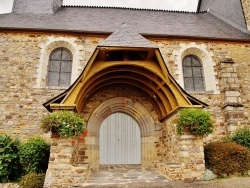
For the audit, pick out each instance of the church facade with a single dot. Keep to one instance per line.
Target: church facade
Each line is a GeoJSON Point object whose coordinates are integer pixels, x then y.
{"type": "Point", "coordinates": [127, 72]}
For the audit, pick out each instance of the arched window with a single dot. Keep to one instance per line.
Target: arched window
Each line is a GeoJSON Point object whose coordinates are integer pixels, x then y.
{"type": "Point", "coordinates": [193, 74]}
{"type": "Point", "coordinates": [59, 67]}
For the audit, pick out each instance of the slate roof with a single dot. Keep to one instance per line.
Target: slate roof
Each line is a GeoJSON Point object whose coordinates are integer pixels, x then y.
{"type": "Point", "coordinates": [127, 37]}
{"type": "Point", "coordinates": [223, 10]}
{"type": "Point", "coordinates": [101, 20]}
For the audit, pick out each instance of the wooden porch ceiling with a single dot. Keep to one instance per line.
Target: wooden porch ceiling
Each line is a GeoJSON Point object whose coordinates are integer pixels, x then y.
{"type": "Point", "coordinates": [139, 68]}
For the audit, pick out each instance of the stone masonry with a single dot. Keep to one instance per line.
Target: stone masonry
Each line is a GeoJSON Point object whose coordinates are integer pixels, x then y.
{"type": "Point", "coordinates": [24, 57]}
{"type": "Point", "coordinates": [183, 156]}
{"type": "Point", "coordinates": [22, 108]}
{"type": "Point", "coordinates": [231, 94]}
{"type": "Point", "coordinates": [63, 170]}
{"type": "Point", "coordinates": [22, 96]}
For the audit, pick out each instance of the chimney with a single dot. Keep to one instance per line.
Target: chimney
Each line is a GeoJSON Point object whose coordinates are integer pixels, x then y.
{"type": "Point", "coordinates": [36, 6]}
{"type": "Point", "coordinates": [246, 10]}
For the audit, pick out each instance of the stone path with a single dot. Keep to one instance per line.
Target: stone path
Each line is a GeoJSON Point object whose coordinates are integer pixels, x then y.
{"type": "Point", "coordinates": [123, 174]}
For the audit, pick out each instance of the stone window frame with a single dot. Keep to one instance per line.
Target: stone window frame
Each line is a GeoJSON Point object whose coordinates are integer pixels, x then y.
{"type": "Point", "coordinates": [200, 51]}
{"type": "Point", "coordinates": [46, 49]}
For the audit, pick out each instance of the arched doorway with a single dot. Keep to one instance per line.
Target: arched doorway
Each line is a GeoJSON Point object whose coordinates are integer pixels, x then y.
{"type": "Point", "coordinates": [148, 134]}
{"type": "Point", "coordinates": [120, 140]}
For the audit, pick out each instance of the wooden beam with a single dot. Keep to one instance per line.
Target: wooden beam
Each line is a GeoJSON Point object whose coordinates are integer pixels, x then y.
{"type": "Point", "coordinates": [73, 92]}
{"type": "Point", "coordinates": [151, 53]}
{"type": "Point", "coordinates": [125, 56]}
{"type": "Point", "coordinates": [162, 103]}
{"type": "Point", "coordinates": [102, 54]}
{"type": "Point", "coordinates": [162, 83]}
{"type": "Point", "coordinates": [162, 65]}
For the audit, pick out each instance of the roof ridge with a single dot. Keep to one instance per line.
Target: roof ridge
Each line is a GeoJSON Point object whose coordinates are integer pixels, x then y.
{"type": "Point", "coordinates": [130, 8]}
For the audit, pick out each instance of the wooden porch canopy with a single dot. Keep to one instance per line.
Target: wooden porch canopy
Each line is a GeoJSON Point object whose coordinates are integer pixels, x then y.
{"type": "Point", "coordinates": [126, 58]}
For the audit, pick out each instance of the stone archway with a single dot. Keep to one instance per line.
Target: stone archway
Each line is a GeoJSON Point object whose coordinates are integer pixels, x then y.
{"type": "Point", "coordinates": [135, 110]}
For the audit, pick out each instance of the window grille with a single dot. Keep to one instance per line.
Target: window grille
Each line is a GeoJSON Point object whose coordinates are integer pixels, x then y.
{"type": "Point", "coordinates": [60, 67]}
{"type": "Point", "coordinates": [193, 73]}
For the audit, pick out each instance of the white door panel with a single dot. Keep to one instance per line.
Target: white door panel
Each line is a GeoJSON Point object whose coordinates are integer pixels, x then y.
{"type": "Point", "coordinates": [120, 140]}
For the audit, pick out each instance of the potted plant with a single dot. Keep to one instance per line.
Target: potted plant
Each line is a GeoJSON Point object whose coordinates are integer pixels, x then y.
{"type": "Point", "coordinates": [65, 123]}
{"type": "Point", "coordinates": [194, 120]}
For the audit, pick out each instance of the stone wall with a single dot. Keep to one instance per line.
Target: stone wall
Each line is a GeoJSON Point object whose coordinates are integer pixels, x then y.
{"type": "Point", "coordinates": [183, 156]}
{"type": "Point", "coordinates": [21, 98]}
{"type": "Point", "coordinates": [216, 52]}
{"type": "Point", "coordinates": [232, 102]}
{"type": "Point", "coordinates": [64, 170]}
{"type": "Point", "coordinates": [22, 56]}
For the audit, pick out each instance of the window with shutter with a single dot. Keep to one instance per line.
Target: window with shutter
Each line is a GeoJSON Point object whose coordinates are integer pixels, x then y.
{"type": "Point", "coordinates": [59, 67]}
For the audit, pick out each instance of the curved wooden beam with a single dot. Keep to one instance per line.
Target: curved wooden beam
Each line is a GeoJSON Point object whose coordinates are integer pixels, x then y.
{"type": "Point", "coordinates": [165, 99]}
{"type": "Point", "coordinates": [101, 75]}
{"type": "Point", "coordinates": [162, 103]}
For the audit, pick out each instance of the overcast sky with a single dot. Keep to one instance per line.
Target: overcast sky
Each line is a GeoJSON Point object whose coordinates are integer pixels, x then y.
{"type": "Point", "coordinates": [186, 5]}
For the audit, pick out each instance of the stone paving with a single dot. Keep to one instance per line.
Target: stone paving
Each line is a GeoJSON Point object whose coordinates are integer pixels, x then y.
{"type": "Point", "coordinates": [124, 174]}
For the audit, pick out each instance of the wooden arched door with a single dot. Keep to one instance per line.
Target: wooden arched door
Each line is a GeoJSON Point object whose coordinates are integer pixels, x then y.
{"type": "Point", "coordinates": [120, 140]}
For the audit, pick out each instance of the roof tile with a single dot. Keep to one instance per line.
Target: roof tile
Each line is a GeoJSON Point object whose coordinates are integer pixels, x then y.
{"type": "Point", "coordinates": [127, 37]}
{"type": "Point", "coordinates": [107, 20]}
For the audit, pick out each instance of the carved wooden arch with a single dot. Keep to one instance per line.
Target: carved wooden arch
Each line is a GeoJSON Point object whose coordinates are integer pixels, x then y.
{"type": "Point", "coordinates": [150, 76]}
{"type": "Point", "coordinates": [121, 104]}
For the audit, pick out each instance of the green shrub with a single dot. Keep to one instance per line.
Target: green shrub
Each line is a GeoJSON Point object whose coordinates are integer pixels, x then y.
{"type": "Point", "coordinates": [194, 120]}
{"type": "Point", "coordinates": [66, 123]}
{"type": "Point", "coordinates": [34, 155]}
{"type": "Point", "coordinates": [10, 168]}
{"type": "Point", "coordinates": [32, 180]}
{"type": "Point", "coordinates": [227, 158]}
{"type": "Point", "coordinates": [242, 137]}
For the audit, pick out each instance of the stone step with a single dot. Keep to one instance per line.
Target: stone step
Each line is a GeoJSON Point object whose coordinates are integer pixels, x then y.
{"type": "Point", "coordinates": [123, 175]}
{"type": "Point", "coordinates": [134, 185]}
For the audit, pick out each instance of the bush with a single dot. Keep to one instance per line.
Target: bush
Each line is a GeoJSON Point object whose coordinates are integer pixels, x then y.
{"type": "Point", "coordinates": [194, 120]}
{"type": "Point", "coordinates": [66, 123]}
{"type": "Point", "coordinates": [227, 158]}
{"type": "Point", "coordinates": [32, 180]}
{"type": "Point", "coordinates": [9, 160]}
{"type": "Point", "coordinates": [242, 137]}
{"type": "Point", "coordinates": [34, 155]}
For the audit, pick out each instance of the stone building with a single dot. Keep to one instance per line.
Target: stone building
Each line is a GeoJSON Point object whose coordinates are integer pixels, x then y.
{"type": "Point", "coordinates": [127, 72]}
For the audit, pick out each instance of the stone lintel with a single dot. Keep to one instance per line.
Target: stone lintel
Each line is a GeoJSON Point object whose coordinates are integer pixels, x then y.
{"type": "Point", "coordinates": [227, 61]}
{"type": "Point", "coordinates": [56, 107]}
{"type": "Point", "coordinates": [235, 105]}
